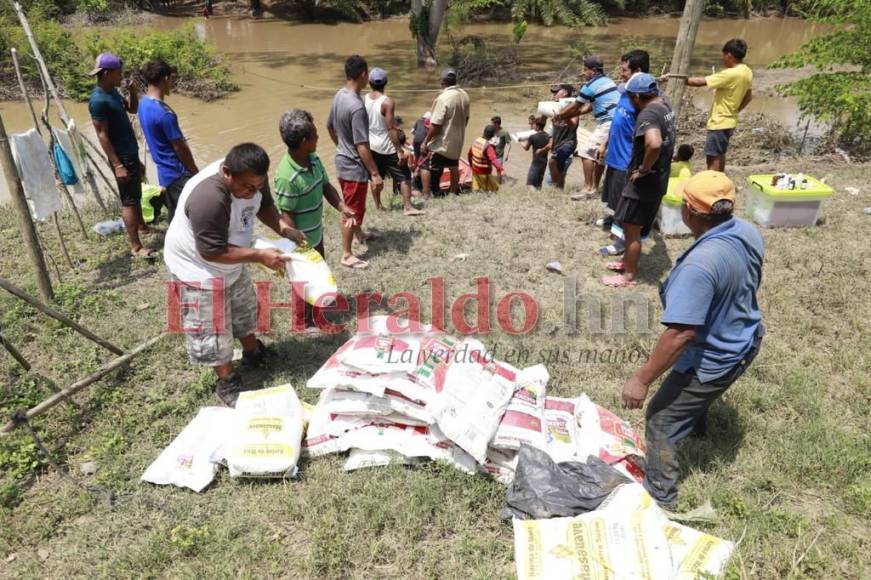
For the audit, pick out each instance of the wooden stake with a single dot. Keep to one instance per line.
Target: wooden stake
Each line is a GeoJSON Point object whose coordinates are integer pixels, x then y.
{"type": "Point", "coordinates": [24, 89]}
{"type": "Point", "coordinates": [48, 310]}
{"type": "Point", "coordinates": [63, 244]}
{"type": "Point", "coordinates": [50, 88]}
{"type": "Point", "coordinates": [66, 393]}
{"type": "Point", "coordinates": [28, 231]}
{"type": "Point", "coordinates": [14, 352]}
{"type": "Point", "coordinates": [683, 49]}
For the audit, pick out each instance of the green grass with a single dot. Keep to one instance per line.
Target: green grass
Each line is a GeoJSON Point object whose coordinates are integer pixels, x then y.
{"type": "Point", "coordinates": [786, 461]}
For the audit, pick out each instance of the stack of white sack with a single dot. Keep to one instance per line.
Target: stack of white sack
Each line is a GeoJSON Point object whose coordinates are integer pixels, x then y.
{"type": "Point", "coordinates": [390, 394]}
{"type": "Point", "coordinates": [566, 429]}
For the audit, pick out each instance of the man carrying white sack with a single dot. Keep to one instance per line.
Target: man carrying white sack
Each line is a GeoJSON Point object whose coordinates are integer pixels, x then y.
{"type": "Point", "coordinates": [208, 245]}
{"type": "Point", "coordinates": [713, 327]}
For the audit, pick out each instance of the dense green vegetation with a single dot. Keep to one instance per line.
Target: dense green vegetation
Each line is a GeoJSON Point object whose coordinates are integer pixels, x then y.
{"type": "Point", "coordinates": [839, 93]}
{"type": "Point", "coordinates": [70, 53]}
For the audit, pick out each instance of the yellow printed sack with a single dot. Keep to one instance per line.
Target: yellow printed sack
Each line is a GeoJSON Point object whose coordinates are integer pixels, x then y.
{"type": "Point", "coordinates": [266, 434]}
{"type": "Point", "coordinates": [305, 265]}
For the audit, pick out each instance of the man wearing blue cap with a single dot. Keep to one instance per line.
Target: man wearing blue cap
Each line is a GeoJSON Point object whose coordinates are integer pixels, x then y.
{"type": "Point", "coordinates": [649, 167]}
{"type": "Point", "coordinates": [109, 112]}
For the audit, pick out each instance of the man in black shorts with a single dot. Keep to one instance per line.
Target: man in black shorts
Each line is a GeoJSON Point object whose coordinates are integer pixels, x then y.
{"type": "Point", "coordinates": [564, 140]}
{"type": "Point", "coordinates": [446, 135]}
{"type": "Point", "coordinates": [649, 168]}
{"type": "Point", "coordinates": [109, 113]}
{"type": "Point", "coordinates": [539, 143]}
{"type": "Point", "coordinates": [387, 151]}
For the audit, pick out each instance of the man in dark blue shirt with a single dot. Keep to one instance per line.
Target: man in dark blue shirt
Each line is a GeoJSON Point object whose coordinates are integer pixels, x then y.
{"type": "Point", "coordinates": [713, 327]}
{"type": "Point", "coordinates": [166, 143]}
{"type": "Point", "coordinates": [109, 112]}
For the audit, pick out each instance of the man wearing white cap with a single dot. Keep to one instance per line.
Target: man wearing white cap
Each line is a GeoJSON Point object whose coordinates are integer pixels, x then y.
{"type": "Point", "coordinates": [713, 327]}
{"type": "Point", "coordinates": [387, 151]}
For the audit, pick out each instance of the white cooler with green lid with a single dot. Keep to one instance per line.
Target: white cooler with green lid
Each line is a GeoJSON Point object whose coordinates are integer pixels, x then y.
{"type": "Point", "coordinates": [771, 207]}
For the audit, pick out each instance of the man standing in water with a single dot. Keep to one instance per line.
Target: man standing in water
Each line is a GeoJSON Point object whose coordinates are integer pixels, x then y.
{"type": "Point", "coordinates": [348, 126]}
{"type": "Point", "coordinates": [109, 112]}
{"type": "Point", "coordinates": [169, 149]}
{"type": "Point", "coordinates": [732, 93]}
{"type": "Point", "coordinates": [446, 134]}
{"type": "Point", "coordinates": [387, 151]}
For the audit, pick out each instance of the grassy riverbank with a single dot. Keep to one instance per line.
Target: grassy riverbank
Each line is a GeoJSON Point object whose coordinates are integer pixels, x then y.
{"type": "Point", "coordinates": [785, 463]}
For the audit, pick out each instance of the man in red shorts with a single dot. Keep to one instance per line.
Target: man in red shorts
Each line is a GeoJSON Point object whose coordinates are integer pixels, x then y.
{"type": "Point", "coordinates": [348, 125]}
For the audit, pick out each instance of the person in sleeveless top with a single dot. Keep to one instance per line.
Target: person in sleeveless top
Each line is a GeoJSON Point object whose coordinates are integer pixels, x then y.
{"type": "Point", "coordinates": [387, 151]}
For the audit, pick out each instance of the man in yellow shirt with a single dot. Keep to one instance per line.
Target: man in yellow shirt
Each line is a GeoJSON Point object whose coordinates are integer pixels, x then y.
{"type": "Point", "coordinates": [732, 92]}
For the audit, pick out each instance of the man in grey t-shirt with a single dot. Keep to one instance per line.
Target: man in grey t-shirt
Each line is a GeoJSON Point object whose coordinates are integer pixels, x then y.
{"type": "Point", "coordinates": [348, 125]}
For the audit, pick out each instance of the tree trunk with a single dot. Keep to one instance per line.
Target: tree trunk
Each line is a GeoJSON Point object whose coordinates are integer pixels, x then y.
{"type": "Point", "coordinates": [683, 49]}
{"type": "Point", "coordinates": [426, 37]}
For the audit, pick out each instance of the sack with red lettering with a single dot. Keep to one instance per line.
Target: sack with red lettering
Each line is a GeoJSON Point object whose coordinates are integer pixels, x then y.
{"type": "Point", "coordinates": [561, 429]}
{"type": "Point", "coordinates": [472, 394]}
{"type": "Point", "coordinates": [610, 438]}
{"type": "Point", "coordinates": [523, 421]}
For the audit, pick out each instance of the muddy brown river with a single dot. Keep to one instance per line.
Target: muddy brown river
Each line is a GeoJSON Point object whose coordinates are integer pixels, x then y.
{"type": "Point", "coordinates": [281, 65]}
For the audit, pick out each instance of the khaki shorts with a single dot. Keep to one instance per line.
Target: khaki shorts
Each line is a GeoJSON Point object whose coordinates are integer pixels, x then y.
{"type": "Point", "coordinates": [597, 137]}
{"type": "Point", "coordinates": [209, 341]}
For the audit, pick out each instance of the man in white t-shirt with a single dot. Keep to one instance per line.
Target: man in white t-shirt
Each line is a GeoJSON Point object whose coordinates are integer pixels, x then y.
{"type": "Point", "coordinates": [207, 247]}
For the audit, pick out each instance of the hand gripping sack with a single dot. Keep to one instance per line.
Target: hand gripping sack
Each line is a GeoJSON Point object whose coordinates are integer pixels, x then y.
{"type": "Point", "coordinates": [305, 265]}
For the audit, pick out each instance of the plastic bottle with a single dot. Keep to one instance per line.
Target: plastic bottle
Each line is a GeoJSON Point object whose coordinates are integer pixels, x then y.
{"type": "Point", "coordinates": [109, 227]}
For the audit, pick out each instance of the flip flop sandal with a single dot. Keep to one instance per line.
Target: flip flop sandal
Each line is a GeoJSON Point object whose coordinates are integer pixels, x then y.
{"type": "Point", "coordinates": [357, 264]}
{"type": "Point", "coordinates": [617, 281]}
{"type": "Point", "coordinates": [611, 250]}
{"type": "Point", "coordinates": [615, 266]}
{"type": "Point", "coordinates": [144, 253]}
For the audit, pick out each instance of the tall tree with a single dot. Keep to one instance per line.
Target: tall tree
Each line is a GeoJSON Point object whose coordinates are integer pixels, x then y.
{"type": "Point", "coordinates": [839, 92]}
{"type": "Point", "coordinates": [426, 22]}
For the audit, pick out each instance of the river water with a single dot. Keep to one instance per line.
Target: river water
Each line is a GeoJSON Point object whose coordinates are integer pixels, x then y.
{"type": "Point", "coordinates": [281, 65]}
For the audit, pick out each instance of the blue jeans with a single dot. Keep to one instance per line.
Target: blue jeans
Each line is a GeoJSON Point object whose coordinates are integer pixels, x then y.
{"type": "Point", "coordinates": [679, 408]}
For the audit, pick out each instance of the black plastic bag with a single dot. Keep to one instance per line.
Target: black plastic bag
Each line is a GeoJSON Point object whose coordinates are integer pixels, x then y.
{"type": "Point", "coordinates": [543, 488]}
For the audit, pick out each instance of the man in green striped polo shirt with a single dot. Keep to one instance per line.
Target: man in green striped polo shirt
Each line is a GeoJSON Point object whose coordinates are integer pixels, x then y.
{"type": "Point", "coordinates": [301, 183]}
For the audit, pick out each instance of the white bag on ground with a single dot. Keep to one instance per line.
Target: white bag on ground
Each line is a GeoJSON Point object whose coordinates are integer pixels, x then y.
{"type": "Point", "coordinates": [266, 434]}
{"type": "Point", "coordinates": [472, 395]}
{"type": "Point", "coordinates": [561, 429]}
{"type": "Point", "coordinates": [595, 545]}
{"type": "Point", "coordinates": [501, 464]}
{"type": "Point", "coordinates": [360, 459]}
{"type": "Point", "coordinates": [523, 419]}
{"type": "Point", "coordinates": [305, 265]}
{"type": "Point", "coordinates": [694, 554]}
{"type": "Point", "coordinates": [605, 435]}
{"type": "Point", "coordinates": [187, 462]}
{"type": "Point", "coordinates": [33, 161]}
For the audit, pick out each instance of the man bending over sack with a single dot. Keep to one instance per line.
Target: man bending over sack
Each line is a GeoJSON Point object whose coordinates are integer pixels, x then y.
{"type": "Point", "coordinates": [713, 327]}
{"type": "Point", "coordinates": [208, 245]}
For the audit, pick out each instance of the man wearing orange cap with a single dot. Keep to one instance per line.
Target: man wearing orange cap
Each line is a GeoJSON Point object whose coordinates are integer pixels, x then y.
{"type": "Point", "coordinates": [713, 327]}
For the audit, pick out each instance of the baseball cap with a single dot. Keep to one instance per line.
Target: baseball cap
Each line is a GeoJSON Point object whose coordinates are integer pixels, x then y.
{"type": "Point", "coordinates": [378, 76]}
{"type": "Point", "coordinates": [106, 61]}
{"type": "Point", "coordinates": [705, 188]}
{"type": "Point", "coordinates": [449, 74]}
{"type": "Point", "coordinates": [642, 84]}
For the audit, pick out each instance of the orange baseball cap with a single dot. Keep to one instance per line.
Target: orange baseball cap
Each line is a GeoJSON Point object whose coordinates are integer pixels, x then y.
{"type": "Point", "coordinates": [705, 188]}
